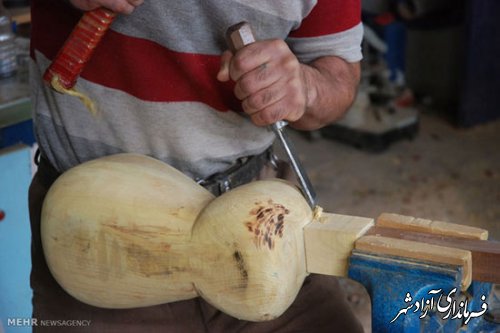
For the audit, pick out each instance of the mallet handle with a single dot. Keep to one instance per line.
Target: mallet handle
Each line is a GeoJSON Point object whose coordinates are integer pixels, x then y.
{"type": "Point", "coordinates": [79, 47]}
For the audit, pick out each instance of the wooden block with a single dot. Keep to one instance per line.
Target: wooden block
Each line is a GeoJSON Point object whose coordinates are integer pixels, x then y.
{"type": "Point", "coordinates": [420, 251]}
{"type": "Point", "coordinates": [410, 223]}
{"type": "Point", "coordinates": [485, 254]}
{"type": "Point", "coordinates": [329, 242]}
{"type": "Point", "coordinates": [20, 15]}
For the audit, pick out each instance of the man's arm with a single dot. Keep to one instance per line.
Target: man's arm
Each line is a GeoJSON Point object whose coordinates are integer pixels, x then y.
{"type": "Point", "coordinates": [273, 85]}
{"type": "Point", "coordinates": [331, 85]}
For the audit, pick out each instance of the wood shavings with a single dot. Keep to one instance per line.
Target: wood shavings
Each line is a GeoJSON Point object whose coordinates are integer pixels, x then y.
{"type": "Point", "coordinates": [89, 104]}
{"type": "Point", "coordinates": [317, 212]}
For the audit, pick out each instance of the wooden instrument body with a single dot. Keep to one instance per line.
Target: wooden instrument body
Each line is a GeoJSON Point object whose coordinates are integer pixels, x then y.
{"type": "Point", "coordinates": [129, 231]}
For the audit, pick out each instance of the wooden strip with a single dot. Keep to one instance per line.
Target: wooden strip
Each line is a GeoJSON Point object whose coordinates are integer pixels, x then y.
{"type": "Point", "coordinates": [410, 223]}
{"type": "Point", "coordinates": [330, 241]}
{"type": "Point", "coordinates": [420, 251]}
{"type": "Point", "coordinates": [20, 15]}
{"type": "Point", "coordinates": [485, 254]}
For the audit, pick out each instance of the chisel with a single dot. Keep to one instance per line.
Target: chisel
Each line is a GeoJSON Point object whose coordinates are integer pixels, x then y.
{"type": "Point", "coordinates": [238, 36]}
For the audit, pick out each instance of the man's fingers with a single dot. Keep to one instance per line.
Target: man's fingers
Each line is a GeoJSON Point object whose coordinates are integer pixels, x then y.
{"type": "Point", "coordinates": [223, 74]}
{"type": "Point", "coordinates": [269, 115]}
{"type": "Point", "coordinates": [281, 101]}
{"type": "Point", "coordinates": [117, 6]}
{"type": "Point", "coordinates": [257, 79]}
{"type": "Point", "coordinates": [249, 58]}
{"type": "Point", "coordinates": [263, 98]}
{"type": "Point", "coordinates": [268, 81]}
{"type": "Point", "coordinates": [121, 7]}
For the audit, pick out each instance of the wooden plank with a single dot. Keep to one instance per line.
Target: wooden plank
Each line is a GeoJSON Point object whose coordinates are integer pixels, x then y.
{"type": "Point", "coordinates": [411, 223]}
{"type": "Point", "coordinates": [20, 15]}
{"type": "Point", "coordinates": [329, 242]}
{"type": "Point", "coordinates": [421, 251]}
{"type": "Point", "coordinates": [485, 254]}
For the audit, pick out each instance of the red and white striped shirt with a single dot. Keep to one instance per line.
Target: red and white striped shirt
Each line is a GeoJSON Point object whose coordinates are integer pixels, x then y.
{"type": "Point", "coordinates": [153, 78]}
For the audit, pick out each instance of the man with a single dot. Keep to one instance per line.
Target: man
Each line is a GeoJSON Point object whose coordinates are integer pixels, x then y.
{"type": "Point", "coordinates": [164, 86]}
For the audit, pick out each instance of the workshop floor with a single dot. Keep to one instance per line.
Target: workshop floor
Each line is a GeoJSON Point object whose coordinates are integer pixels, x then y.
{"type": "Point", "coordinates": [446, 173]}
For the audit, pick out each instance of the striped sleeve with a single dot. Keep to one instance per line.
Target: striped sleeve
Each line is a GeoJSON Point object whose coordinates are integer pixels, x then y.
{"type": "Point", "coordinates": [333, 27]}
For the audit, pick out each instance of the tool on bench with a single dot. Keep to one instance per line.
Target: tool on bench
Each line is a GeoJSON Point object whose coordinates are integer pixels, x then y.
{"type": "Point", "coordinates": [238, 36]}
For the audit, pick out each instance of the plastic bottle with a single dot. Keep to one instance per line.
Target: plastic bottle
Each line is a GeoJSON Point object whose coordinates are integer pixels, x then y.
{"type": "Point", "coordinates": [8, 53]}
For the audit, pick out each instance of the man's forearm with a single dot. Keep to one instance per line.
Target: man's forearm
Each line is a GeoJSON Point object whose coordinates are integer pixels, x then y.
{"type": "Point", "coordinates": [331, 85]}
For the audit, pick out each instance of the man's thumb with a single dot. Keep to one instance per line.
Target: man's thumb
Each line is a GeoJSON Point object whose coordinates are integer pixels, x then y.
{"type": "Point", "coordinates": [225, 59]}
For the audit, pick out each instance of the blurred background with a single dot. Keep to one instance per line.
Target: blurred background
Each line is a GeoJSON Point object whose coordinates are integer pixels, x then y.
{"type": "Point", "coordinates": [423, 137]}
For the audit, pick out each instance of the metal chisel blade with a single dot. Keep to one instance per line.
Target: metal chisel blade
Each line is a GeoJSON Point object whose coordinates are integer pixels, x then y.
{"type": "Point", "coordinates": [305, 184]}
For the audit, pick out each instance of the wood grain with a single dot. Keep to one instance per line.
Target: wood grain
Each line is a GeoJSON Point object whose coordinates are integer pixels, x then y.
{"type": "Point", "coordinates": [485, 254]}
{"type": "Point", "coordinates": [411, 223]}
{"type": "Point", "coordinates": [330, 240]}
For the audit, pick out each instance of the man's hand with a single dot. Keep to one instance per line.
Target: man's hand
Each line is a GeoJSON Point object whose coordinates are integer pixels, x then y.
{"type": "Point", "coordinates": [273, 85]}
{"type": "Point", "coordinates": [269, 81]}
{"type": "Point", "coordinates": [118, 6]}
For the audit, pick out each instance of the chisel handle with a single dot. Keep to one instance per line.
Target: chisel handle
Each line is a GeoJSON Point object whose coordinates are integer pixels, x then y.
{"type": "Point", "coordinates": [238, 36]}
{"type": "Point", "coordinates": [79, 47]}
